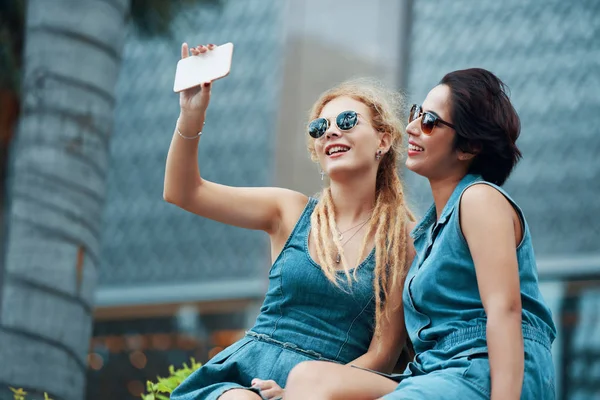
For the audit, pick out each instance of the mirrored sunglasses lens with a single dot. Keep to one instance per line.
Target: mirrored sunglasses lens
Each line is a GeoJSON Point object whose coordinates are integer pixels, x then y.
{"type": "Point", "coordinates": [317, 128]}
{"type": "Point", "coordinates": [427, 123]}
{"type": "Point", "coordinates": [414, 113]}
{"type": "Point", "coordinates": [346, 120]}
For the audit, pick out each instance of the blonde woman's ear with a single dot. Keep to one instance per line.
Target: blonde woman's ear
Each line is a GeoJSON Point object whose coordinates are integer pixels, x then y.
{"type": "Point", "coordinates": [386, 141]}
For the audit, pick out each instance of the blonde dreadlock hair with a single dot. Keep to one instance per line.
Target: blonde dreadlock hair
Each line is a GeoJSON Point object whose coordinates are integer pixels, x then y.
{"type": "Point", "coordinates": [390, 214]}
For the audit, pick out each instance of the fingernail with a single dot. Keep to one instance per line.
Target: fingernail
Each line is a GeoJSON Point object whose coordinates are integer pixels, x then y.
{"type": "Point", "coordinates": [206, 84]}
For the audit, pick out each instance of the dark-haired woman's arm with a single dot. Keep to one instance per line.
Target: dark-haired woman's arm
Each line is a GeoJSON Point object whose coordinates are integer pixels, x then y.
{"type": "Point", "coordinates": [492, 228]}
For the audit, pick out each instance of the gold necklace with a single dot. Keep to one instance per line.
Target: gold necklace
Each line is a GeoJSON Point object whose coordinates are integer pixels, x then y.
{"type": "Point", "coordinates": [338, 258]}
{"type": "Point", "coordinates": [341, 234]}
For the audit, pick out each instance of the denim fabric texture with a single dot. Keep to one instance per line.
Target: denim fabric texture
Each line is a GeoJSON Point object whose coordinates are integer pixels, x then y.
{"type": "Point", "coordinates": [304, 317]}
{"type": "Point", "coordinates": [446, 321]}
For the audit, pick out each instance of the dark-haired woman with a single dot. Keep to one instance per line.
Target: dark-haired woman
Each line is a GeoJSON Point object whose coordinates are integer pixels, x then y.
{"type": "Point", "coordinates": [472, 305]}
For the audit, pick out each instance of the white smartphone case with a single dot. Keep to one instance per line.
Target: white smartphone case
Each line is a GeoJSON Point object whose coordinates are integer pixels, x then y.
{"type": "Point", "coordinates": [206, 67]}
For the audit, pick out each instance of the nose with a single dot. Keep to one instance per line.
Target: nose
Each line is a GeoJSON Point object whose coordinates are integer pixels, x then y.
{"type": "Point", "coordinates": [414, 127]}
{"type": "Point", "coordinates": [332, 132]}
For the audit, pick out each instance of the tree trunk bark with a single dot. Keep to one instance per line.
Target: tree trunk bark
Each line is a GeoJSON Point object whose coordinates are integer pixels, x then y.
{"type": "Point", "coordinates": [58, 170]}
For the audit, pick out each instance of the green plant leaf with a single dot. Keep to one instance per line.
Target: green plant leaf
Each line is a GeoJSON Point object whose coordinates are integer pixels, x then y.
{"type": "Point", "coordinates": [19, 394]}
{"type": "Point", "coordinates": [150, 386]}
{"type": "Point", "coordinates": [169, 383]}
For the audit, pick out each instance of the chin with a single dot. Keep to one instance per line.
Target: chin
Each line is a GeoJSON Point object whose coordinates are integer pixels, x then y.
{"type": "Point", "coordinates": [415, 167]}
{"type": "Point", "coordinates": [343, 172]}
{"type": "Point", "coordinates": [338, 174]}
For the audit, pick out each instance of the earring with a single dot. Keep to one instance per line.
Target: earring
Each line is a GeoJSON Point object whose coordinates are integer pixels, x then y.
{"type": "Point", "coordinates": [322, 175]}
{"type": "Point", "coordinates": [378, 155]}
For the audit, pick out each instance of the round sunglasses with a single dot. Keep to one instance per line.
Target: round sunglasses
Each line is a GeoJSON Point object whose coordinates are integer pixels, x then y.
{"type": "Point", "coordinates": [428, 120]}
{"type": "Point", "coordinates": [346, 120]}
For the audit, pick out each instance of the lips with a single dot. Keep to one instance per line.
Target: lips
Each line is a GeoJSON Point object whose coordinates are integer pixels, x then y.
{"type": "Point", "coordinates": [413, 147]}
{"type": "Point", "coordinates": [336, 149]}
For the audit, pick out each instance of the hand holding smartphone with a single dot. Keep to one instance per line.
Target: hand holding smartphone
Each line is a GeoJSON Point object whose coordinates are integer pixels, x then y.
{"type": "Point", "coordinates": [201, 67]}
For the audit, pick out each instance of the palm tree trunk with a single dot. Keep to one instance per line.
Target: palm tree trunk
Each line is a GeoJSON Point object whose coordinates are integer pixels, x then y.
{"type": "Point", "coordinates": [58, 175]}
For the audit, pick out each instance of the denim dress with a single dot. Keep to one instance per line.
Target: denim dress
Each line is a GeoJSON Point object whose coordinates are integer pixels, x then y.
{"type": "Point", "coordinates": [304, 317]}
{"type": "Point", "coordinates": [446, 320]}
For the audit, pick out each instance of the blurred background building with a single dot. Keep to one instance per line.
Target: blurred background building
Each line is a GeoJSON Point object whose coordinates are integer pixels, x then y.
{"type": "Point", "coordinates": [171, 285]}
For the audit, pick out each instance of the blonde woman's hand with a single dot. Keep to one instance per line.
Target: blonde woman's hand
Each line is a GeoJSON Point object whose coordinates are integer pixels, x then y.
{"type": "Point", "coordinates": [268, 389]}
{"type": "Point", "coordinates": [194, 101]}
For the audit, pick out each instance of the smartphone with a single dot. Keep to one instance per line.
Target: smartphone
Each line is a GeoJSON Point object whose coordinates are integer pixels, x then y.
{"type": "Point", "coordinates": [194, 70]}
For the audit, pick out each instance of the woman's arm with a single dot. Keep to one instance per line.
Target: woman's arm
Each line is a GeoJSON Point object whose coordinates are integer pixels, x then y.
{"type": "Point", "coordinates": [384, 350]}
{"type": "Point", "coordinates": [252, 208]}
{"type": "Point", "coordinates": [489, 223]}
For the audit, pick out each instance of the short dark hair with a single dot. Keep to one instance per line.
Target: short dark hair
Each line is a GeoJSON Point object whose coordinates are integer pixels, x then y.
{"type": "Point", "coordinates": [486, 122]}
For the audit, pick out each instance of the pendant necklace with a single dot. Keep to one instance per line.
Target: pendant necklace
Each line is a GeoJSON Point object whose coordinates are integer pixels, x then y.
{"type": "Point", "coordinates": [338, 259]}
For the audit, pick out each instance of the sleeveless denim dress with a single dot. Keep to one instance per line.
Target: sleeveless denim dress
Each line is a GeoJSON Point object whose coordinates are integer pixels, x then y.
{"type": "Point", "coordinates": [304, 317]}
{"type": "Point", "coordinates": [446, 320]}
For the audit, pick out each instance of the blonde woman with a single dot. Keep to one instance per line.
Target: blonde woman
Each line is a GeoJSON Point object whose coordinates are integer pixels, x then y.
{"type": "Point", "coordinates": [339, 261]}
